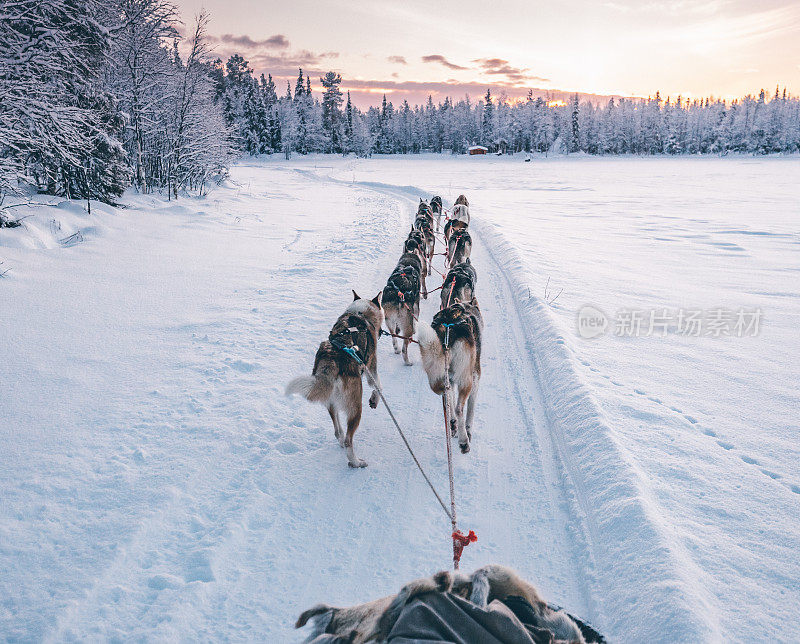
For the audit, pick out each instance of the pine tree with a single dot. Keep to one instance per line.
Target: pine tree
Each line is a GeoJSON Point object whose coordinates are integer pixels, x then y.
{"type": "Point", "coordinates": [331, 115]}
{"type": "Point", "coordinates": [575, 140]}
{"type": "Point", "coordinates": [487, 124]}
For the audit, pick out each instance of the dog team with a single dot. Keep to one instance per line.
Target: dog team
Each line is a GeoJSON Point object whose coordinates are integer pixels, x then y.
{"type": "Point", "coordinates": [450, 345]}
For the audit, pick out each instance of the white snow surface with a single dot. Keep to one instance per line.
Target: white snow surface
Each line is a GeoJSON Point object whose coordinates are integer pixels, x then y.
{"type": "Point", "coordinates": [157, 484]}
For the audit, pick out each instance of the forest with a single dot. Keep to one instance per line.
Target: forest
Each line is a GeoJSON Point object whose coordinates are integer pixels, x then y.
{"type": "Point", "coordinates": [100, 95]}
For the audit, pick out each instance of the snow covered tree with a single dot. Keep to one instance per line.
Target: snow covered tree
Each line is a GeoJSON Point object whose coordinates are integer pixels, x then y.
{"type": "Point", "coordinates": [487, 124]}
{"type": "Point", "coordinates": [575, 133]}
{"type": "Point", "coordinates": [331, 114]}
{"type": "Point", "coordinates": [199, 140]}
{"type": "Point", "coordinates": [53, 111]}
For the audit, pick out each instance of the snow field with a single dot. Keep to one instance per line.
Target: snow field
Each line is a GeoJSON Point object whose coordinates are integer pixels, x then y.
{"type": "Point", "coordinates": [158, 484]}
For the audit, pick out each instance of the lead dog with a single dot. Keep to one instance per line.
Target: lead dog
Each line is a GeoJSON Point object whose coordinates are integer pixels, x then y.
{"type": "Point", "coordinates": [373, 621]}
{"type": "Point", "coordinates": [459, 284]}
{"type": "Point", "coordinates": [461, 326]}
{"type": "Point", "coordinates": [335, 381]}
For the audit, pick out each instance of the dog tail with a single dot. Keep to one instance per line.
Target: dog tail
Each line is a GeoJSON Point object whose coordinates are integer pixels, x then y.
{"type": "Point", "coordinates": [320, 609]}
{"type": "Point", "coordinates": [441, 582]}
{"type": "Point", "coordinates": [430, 347]}
{"type": "Point", "coordinates": [316, 388]}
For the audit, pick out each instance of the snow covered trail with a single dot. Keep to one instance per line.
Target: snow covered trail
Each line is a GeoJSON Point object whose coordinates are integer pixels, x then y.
{"type": "Point", "coordinates": [159, 485]}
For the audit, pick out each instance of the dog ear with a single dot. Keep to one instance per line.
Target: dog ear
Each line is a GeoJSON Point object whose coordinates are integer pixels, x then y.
{"type": "Point", "coordinates": [355, 296]}
{"type": "Point", "coordinates": [378, 299]}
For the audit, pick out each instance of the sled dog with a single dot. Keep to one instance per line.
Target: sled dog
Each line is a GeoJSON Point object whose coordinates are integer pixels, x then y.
{"type": "Point", "coordinates": [424, 209]}
{"type": "Point", "coordinates": [459, 220]}
{"type": "Point", "coordinates": [459, 284]}
{"type": "Point", "coordinates": [460, 213]}
{"type": "Point", "coordinates": [459, 247]}
{"type": "Point", "coordinates": [336, 378]}
{"type": "Point", "coordinates": [464, 322]}
{"type": "Point", "coordinates": [462, 200]}
{"type": "Point", "coordinates": [436, 207]}
{"type": "Point", "coordinates": [415, 245]}
{"type": "Point", "coordinates": [424, 225]}
{"type": "Point", "coordinates": [373, 621]}
{"type": "Point", "coordinates": [401, 305]}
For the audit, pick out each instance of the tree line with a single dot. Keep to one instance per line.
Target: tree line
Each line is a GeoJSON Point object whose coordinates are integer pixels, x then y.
{"type": "Point", "coordinates": [299, 122]}
{"type": "Point", "coordinates": [98, 95]}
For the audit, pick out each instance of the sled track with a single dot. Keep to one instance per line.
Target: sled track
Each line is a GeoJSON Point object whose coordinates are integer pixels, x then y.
{"type": "Point", "coordinates": [602, 512]}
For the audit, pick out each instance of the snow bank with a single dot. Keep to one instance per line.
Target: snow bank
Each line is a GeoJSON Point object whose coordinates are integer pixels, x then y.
{"type": "Point", "coordinates": [649, 588]}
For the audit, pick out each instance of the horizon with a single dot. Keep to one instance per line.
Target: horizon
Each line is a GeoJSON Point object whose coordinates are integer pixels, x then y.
{"type": "Point", "coordinates": [723, 49]}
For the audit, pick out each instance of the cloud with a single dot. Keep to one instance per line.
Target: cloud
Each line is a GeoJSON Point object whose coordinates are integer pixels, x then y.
{"type": "Point", "coordinates": [288, 64]}
{"type": "Point", "coordinates": [438, 58]}
{"type": "Point", "coordinates": [400, 60]}
{"type": "Point", "coordinates": [369, 92]}
{"type": "Point", "coordinates": [278, 41]}
{"type": "Point", "coordinates": [501, 67]}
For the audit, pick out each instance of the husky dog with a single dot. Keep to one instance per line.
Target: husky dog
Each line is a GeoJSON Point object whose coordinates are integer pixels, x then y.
{"type": "Point", "coordinates": [459, 220]}
{"type": "Point", "coordinates": [336, 378]}
{"type": "Point", "coordinates": [460, 213]}
{"type": "Point", "coordinates": [424, 209]}
{"type": "Point", "coordinates": [374, 621]}
{"type": "Point", "coordinates": [415, 245]}
{"type": "Point", "coordinates": [459, 247]}
{"type": "Point", "coordinates": [424, 224]}
{"type": "Point", "coordinates": [461, 325]}
{"type": "Point", "coordinates": [436, 207]}
{"type": "Point", "coordinates": [462, 200]}
{"type": "Point", "coordinates": [458, 285]}
{"type": "Point", "coordinates": [401, 304]}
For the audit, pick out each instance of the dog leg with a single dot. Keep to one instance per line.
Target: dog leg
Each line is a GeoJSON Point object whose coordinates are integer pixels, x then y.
{"type": "Point", "coordinates": [407, 332]}
{"type": "Point", "coordinates": [337, 428]}
{"type": "Point", "coordinates": [352, 426]}
{"type": "Point", "coordinates": [473, 397]}
{"type": "Point", "coordinates": [463, 438]}
{"type": "Point", "coordinates": [394, 339]}
{"type": "Point", "coordinates": [374, 383]}
{"type": "Point", "coordinates": [451, 401]}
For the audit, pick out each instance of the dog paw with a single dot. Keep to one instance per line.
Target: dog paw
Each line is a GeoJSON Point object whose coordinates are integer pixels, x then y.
{"type": "Point", "coordinates": [373, 400]}
{"type": "Point", "coordinates": [453, 430]}
{"type": "Point", "coordinates": [359, 462]}
{"type": "Point", "coordinates": [397, 351]}
{"type": "Point", "coordinates": [407, 362]}
{"type": "Point", "coordinates": [464, 448]}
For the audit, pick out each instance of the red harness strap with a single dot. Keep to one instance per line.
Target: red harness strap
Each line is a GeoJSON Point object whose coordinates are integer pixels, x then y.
{"type": "Point", "coordinates": [461, 541]}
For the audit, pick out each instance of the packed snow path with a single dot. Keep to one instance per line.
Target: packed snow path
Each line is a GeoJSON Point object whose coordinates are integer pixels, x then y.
{"type": "Point", "coordinates": [159, 485]}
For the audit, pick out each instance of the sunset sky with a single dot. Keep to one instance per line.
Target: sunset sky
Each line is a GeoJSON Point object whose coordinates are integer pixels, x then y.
{"type": "Point", "coordinates": [414, 48]}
